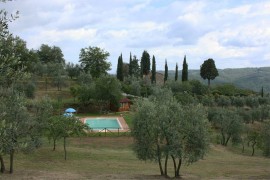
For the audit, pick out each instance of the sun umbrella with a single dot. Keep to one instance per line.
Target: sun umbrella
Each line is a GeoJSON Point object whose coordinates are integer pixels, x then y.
{"type": "Point", "coordinates": [70, 110]}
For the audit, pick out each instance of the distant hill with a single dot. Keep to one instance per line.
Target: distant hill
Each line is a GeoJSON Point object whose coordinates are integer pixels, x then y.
{"type": "Point", "coordinates": [246, 78]}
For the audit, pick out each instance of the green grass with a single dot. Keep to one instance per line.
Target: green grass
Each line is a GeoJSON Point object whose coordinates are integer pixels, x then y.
{"type": "Point", "coordinates": [128, 118]}
{"type": "Point", "coordinates": [113, 158]}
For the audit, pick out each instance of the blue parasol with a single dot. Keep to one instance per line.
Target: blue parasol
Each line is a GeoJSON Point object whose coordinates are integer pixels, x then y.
{"type": "Point", "coordinates": [70, 110]}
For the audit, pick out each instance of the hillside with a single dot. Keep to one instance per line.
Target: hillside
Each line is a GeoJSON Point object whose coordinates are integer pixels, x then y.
{"type": "Point", "coordinates": [247, 78]}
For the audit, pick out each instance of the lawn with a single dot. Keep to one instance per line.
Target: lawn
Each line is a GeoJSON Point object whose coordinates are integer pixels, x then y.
{"type": "Point", "coordinates": [113, 158]}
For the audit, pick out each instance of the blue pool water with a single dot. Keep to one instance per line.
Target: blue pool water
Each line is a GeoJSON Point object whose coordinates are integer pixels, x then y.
{"type": "Point", "coordinates": [102, 123]}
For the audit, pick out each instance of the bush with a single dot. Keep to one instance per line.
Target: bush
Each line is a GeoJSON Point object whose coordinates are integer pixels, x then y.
{"type": "Point", "coordinates": [29, 90]}
{"type": "Point", "coordinates": [223, 101]}
{"type": "Point", "coordinates": [238, 101]}
{"type": "Point", "coordinates": [265, 134]}
{"type": "Point", "coordinates": [252, 102]}
{"type": "Point", "coordinates": [208, 101]}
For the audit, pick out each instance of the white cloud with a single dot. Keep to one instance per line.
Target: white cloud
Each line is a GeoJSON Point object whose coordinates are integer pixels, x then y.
{"type": "Point", "coordinates": [232, 32]}
{"type": "Point", "coordinates": [57, 36]}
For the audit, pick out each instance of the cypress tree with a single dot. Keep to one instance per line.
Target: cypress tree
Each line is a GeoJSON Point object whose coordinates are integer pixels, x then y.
{"type": "Point", "coordinates": [153, 77]}
{"type": "Point", "coordinates": [136, 71]}
{"type": "Point", "coordinates": [119, 71]}
{"type": "Point", "coordinates": [185, 70]}
{"type": "Point", "coordinates": [262, 92]}
{"type": "Point", "coordinates": [166, 72]}
{"type": "Point", "coordinates": [142, 66]}
{"type": "Point", "coordinates": [130, 69]}
{"type": "Point", "coordinates": [145, 63]}
{"type": "Point", "coordinates": [176, 72]}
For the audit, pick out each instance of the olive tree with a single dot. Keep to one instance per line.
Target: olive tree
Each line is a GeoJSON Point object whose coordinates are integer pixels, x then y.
{"type": "Point", "coordinates": [70, 126]}
{"type": "Point", "coordinates": [265, 139]}
{"type": "Point", "coordinates": [108, 90]}
{"type": "Point", "coordinates": [164, 129]}
{"type": "Point", "coordinates": [20, 130]}
{"type": "Point", "coordinates": [64, 127]}
{"type": "Point", "coordinates": [229, 124]}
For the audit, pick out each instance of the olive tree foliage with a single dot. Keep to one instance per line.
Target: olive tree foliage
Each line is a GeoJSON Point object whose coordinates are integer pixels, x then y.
{"type": "Point", "coordinates": [229, 125]}
{"type": "Point", "coordinates": [14, 58]}
{"type": "Point", "coordinates": [265, 139]}
{"type": "Point", "coordinates": [58, 75]}
{"type": "Point", "coordinates": [48, 54]}
{"type": "Point", "coordinates": [73, 70]}
{"type": "Point", "coordinates": [5, 18]}
{"type": "Point", "coordinates": [192, 87]}
{"type": "Point", "coordinates": [132, 85]}
{"type": "Point", "coordinates": [20, 130]}
{"type": "Point", "coordinates": [186, 99]}
{"type": "Point", "coordinates": [165, 129]}
{"type": "Point", "coordinates": [104, 92]}
{"type": "Point", "coordinates": [108, 90]}
{"type": "Point", "coordinates": [64, 127]}
{"type": "Point", "coordinates": [85, 92]}
{"type": "Point", "coordinates": [223, 101]}
{"type": "Point", "coordinates": [94, 61]}
{"type": "Point", "coordinates": [238, 101]}
{"type": "Point", "coordinates": [208, 100]}
{"type": "Point", "coordinates": [252, 102]}
{"type": "Point", "coordinates": [85, 79]}
{"type": "Point", "coordinates": [253, 137]}
{"type": "Point", "coordinates": [8, 60]}
{"type": "Point", "coordinates": [135, 88]}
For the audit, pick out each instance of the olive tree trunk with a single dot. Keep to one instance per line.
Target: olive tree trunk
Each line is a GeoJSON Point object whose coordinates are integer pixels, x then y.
{"type": "Point", "coordinates": [54, 144]}
{"type": "Point", "coordinates": [11, 161]}
{"type": "Point", "coordinates": [3, 168]}
{"type": "Point", "coordinates": [159, 161]}
{"type": "Point", "coordinates": [165, 166]}
{"type": "Point", "coordinates": [177, 174]}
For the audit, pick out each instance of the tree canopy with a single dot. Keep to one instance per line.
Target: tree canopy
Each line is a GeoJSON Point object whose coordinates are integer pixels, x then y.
{"type": "Point", "coordinates": [185, 70]}
{"type": "Point", "coordinates": [15, 59]}
{"type": "Point", "coordinates": [153, 76]}
{"type": "Point", "coordinates": [164, 128]}
{"type": "Point", "coordinates": [48, 54]}
{"type": "Point", "coordinates": [19, 129]}
{"type": "Point", "coordinates": [119, 71]}
{"type": "Point", "coordinates": [176, 72]}
{"type": "Point", "coordinates": [145, 63]}
{"type": "Point", "coordinates": [94, 60]}
{"type": "Point", "coordinates": [208, 70]}
{"type": "Point", "coordinates": [166, 72]}
{"type": "Point", "coordinates": [134, 68]}
{"type": "Point", "coordinates": [108, 89]}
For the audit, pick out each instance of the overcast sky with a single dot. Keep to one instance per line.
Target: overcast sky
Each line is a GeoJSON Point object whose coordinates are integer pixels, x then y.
{"type": "Point", "coordinates": [235, 33]}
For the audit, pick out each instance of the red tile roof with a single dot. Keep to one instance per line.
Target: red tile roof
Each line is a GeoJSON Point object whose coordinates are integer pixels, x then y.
{"type": "Point", "coordinates": [124, 100]}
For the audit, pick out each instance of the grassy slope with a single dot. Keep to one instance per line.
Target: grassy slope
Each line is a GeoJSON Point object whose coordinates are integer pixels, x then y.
{"type": "Point", "coordinates": [113, 158]}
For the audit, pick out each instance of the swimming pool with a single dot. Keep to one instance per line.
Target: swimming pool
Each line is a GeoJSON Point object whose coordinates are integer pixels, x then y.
{"type": "Point", "coordinates": [102, 123]}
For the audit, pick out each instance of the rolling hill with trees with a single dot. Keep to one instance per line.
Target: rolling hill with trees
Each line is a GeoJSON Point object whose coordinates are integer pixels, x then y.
{"type": "Point", "coordinates": [246, 78]}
